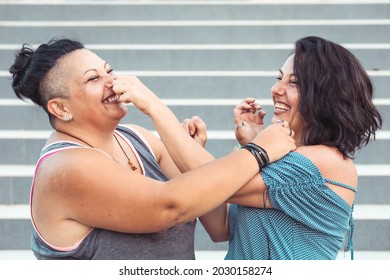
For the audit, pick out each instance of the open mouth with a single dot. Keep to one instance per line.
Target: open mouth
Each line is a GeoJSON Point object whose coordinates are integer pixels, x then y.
{"type": "Point", "coordinates": [111, 99]}
{"type": "Point", "coordinates": [281, 107]}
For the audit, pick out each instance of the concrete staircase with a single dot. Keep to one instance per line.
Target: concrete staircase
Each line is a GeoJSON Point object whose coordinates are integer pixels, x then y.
{"type": "Point", "coordinates": [202, 57]}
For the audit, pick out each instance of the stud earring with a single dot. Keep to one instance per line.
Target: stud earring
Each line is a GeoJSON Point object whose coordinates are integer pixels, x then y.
{"type": "Point", "coordinates": [68, 117]}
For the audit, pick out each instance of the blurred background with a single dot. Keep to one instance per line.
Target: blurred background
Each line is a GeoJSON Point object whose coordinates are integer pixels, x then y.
{"type": "Point", "coordinates": [201, 57]}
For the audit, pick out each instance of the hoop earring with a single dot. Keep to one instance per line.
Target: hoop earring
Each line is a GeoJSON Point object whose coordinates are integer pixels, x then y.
{"type": "Point", "coordinates": [68, 117]}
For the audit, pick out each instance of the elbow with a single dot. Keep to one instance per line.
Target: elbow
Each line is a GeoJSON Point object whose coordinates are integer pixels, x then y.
{"type": "Point", "coordinates": [176, 205]}
{"type": "Point", "coordinates": [175, 212]}
{"type": "Point", "coordinates": [217, 236]}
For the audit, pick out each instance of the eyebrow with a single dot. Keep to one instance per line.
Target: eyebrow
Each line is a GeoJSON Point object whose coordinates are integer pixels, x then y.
{"type": "Point", "coordinates": [93, 69]}
{"type": "Point", "coordinates": [281, 72]}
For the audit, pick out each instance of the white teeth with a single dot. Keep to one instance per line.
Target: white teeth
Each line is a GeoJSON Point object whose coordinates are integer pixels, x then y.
{"type": "Point", "coordinates": [111, 99]}
{"type": "Point", "coordinates": [281, 106]}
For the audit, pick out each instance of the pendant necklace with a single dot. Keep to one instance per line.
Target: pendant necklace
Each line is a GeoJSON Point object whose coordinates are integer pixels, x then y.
{"type": "Point", "coordinates": [132, 166]}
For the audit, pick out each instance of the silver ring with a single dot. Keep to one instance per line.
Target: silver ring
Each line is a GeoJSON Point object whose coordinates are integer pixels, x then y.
{"type": "Point", "coordinates": [281, 122]}
{"type": "Point", "coordinates": [239, 125]}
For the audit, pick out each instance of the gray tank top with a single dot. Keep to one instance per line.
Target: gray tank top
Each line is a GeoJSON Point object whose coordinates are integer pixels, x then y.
{"type": "Point", "coordinates": [174, 243]}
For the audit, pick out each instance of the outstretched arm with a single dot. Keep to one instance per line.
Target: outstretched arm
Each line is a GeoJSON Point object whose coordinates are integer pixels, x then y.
{"type": "Point", "coordinates": [215, 222]}
{"type": "Point", "coordinates": [184, 150]}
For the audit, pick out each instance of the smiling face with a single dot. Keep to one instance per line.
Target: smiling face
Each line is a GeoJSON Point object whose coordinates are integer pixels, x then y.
{"type": "Point", "coordinates": [285, 96]}
{"type": "Point", "coordinates": [90, 88]}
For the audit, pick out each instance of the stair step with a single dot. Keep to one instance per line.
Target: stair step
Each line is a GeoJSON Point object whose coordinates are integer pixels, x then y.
{"type": "Point", "coordinates": [191, 10]}
{"type": "Point", "coordinates": [215, 116]}
{"type": "Point", "coordinates": [374, 31]}
{"type": "Point", "coordinates": [210, 60]}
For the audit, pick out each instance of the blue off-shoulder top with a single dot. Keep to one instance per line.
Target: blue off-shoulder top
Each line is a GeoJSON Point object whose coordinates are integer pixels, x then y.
{"type": "Point", "coordinates": [308, 220]}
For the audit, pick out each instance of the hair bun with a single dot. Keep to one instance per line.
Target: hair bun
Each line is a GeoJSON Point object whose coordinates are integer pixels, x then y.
{"type": "Point", "coordinates": [20, 74]}
{"type": "Point", "coordinates": [22, 61]}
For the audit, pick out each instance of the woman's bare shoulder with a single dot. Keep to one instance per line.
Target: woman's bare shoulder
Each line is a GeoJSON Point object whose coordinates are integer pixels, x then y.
{"type": "Point", "coordinates": [331, 163]}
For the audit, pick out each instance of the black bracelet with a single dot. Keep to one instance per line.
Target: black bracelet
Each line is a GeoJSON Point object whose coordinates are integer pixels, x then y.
{"type": "Point", "coordinates": [263, 153]}
{"type": "Point", "coordinates": [259, 153]}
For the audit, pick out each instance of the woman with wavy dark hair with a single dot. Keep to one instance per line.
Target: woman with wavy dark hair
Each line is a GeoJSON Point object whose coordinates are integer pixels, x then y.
{"type": "Point", "coordinates": [307, 197]}
{"type": "Point", "coordinates": [335, 96]}
{"type": "Point", "coordinates": [299, 207]}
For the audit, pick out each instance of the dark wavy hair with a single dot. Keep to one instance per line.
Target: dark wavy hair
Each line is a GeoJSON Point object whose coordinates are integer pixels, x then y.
{"type": "Point", "coordinates": [31, 67]}
{"type": "Point", "coordinates": [335, 96]}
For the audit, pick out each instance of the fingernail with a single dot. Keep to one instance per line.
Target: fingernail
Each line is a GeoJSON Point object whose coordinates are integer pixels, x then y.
{"type": "Point", "coordinates": [191, 132]}
{"type": "Point", "coordinates": [198, 120]}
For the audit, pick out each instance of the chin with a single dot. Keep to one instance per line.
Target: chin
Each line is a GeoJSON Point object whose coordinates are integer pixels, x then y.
{"type": "Point", "coordinates": [274, 119]}
{"type": "Point", "coordinates": [123, 107]}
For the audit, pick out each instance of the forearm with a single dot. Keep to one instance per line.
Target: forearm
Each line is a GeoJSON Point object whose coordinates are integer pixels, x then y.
{"type": "Point", "coordinates": [197, 192]}
{"type": "Point", "coordinates": [252, 194]}
{"type": "Point", "coordinates": [188, 154]}
{"type": "Point", "coordinates": [185, 151]}
{"type": "Point", "coordinates": [215, 223]}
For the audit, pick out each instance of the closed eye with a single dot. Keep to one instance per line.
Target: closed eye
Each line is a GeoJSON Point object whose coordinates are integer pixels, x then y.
{"type": "Point", "coordinates": [293, 81]}
{"type": "Point", "coordinates": [93, 78]}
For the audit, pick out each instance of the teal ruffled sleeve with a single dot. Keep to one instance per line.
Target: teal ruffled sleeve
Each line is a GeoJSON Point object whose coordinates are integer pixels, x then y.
{"type": "Point", "coordinates": [296, 187]}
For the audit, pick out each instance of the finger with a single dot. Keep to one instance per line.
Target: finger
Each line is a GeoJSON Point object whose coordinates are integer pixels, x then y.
{"type": "Point", "coordinates": [256, 106]}
{"type": "Point", "coordinates": [243, 106]}
{"type": "Point", "coordinates": [201, 131]}
{"type": "Point", "coordinates": [261, 113]}
{"type": "Point", "coordinates": [199, 123]}
{"type": "Point", "coordinates": [119, 89]}
{"type": "Point", "coordinates": [196, 125]}
{"type": "Point", "coordinates": [291, 132]}
{"type": "Point", "coordinates": [185, 125]}
{"type": "Point", "coordinates": [191, 126]}
{"type": "Point", "coordinates": [286, 125]}
{"type": "Point", "coordinates": [122, 80]}
{"type": "Point", "coordinates": [281, 122]}
{"type": "Point", "coordinates": [249, 99]}
{"type": "Point", "coordinates": [127, 98]}
{"type": "Point", "coordinates": [252, 103]}
{"type": "Point", "coordinates": [245, 103]}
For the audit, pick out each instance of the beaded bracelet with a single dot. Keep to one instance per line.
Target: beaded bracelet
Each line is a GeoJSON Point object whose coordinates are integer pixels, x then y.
{"type": "Point", "coordinates": [237, 147]}
{"type": "Point", "coordinates": [259, 153]}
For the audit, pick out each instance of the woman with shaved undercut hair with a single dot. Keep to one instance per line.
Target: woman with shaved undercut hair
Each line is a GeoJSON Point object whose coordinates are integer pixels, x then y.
{"type": "Point", "coordinates": [102, 190]}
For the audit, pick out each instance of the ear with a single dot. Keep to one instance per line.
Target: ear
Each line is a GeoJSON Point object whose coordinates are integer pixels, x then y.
{"type": "Point", "coordinates": [58, 108]}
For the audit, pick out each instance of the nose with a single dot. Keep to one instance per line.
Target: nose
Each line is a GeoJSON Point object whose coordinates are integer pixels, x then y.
{"type": "Point", "coordinates": [279, 88]}
{"type": "Point", "coordinates": [110, 79]}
